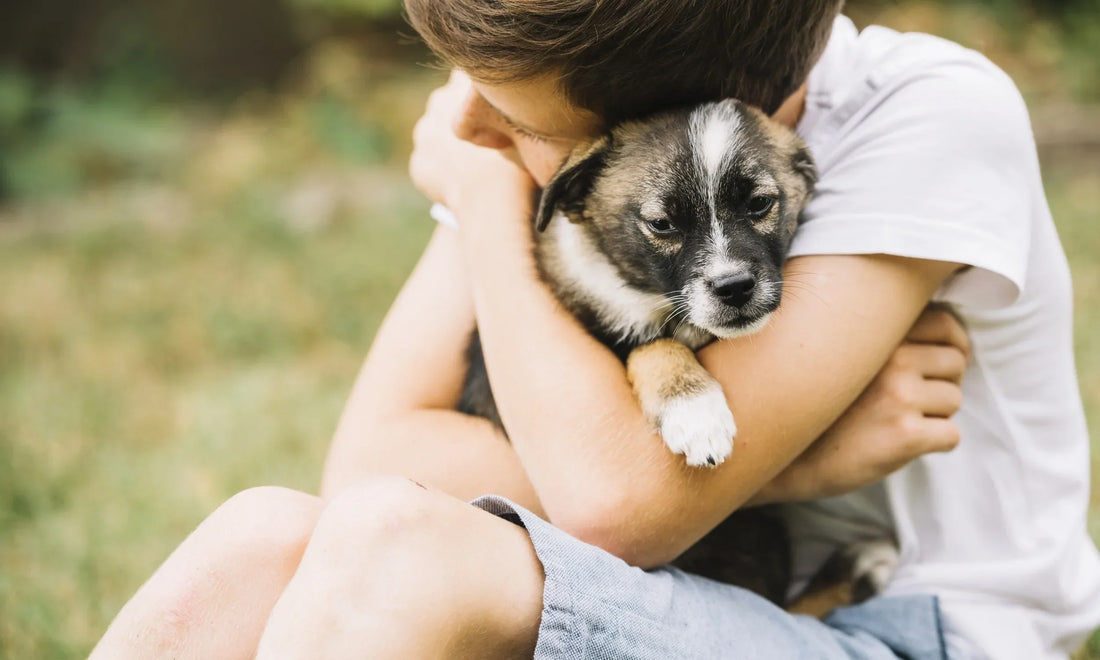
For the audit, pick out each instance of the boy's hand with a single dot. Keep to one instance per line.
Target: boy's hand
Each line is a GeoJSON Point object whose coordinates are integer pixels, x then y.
{"type": "Point", "coordinates": [902, 415]}
{"type": "Point", "coordinates": [452, 171]}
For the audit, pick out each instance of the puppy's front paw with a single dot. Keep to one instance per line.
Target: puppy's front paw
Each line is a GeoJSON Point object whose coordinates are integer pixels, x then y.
{"type": "Point", "coordinates": [699, 426]}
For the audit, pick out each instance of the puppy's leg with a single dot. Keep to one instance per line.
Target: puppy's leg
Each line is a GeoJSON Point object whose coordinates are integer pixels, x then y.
{"type": "Point", "coordinates": [682, 401]}
{"type": "Point", "coordinates": [853, 574]}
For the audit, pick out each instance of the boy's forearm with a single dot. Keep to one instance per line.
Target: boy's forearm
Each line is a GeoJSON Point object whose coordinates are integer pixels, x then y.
{"type": "Point", "coordinates": [543, 365]}
{"type": "Point", "coordinates": [461, 455]}
{"type": "Point", "coordinates": [398, 420]}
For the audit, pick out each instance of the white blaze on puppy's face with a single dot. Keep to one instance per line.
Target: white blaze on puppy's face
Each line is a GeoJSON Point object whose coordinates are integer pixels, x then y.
{"type": "Point", "coordinates": [713, 139]}
{"type": "Point", "coordinates": [714, 131]}
{"type": "Point", "coordinates": [716, 135]}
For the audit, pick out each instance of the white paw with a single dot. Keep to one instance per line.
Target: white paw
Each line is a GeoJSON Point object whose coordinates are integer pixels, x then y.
{"type": "Point", "coordinates": [875, 563]}
{"type": "Point", "coordinates": [699, 426]}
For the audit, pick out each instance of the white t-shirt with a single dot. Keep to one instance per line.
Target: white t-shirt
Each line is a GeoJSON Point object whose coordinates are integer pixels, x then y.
{"type": "Point", "coordinates": [925, 150]}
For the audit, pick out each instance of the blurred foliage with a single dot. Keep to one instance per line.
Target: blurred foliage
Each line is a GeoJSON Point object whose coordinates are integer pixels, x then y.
{"type": "Point", "coordinates": [204, 215]}
{"type": "Point", "coordinates": [1048, 46]}
{"type": "Point", "coordinates": [57, 139]}
{"type": "Point", "coordinates": [361, 8]}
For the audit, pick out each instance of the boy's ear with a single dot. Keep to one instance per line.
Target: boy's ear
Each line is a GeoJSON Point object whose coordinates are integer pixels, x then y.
{"type": "Point", "coordinates": [570, 185]}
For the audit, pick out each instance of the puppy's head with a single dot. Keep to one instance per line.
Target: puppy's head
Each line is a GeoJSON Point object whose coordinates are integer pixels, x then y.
{"type": "Point", "coordinates": [698, 205]}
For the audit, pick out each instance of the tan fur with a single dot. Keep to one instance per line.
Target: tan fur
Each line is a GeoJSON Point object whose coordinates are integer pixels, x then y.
{"type": "Point", "coordinates": [787, 143]}
{"type": "Point", "coordinates": [663, 370]}
{"type": "Point", "coordinates": [578, 154]}
{"type": "Point", "coordinates": [819, 602]}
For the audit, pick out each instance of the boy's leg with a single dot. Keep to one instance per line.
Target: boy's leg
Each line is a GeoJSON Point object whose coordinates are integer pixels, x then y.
{"type": "Point", "coordinates": [398, 571]}
{"type": "Point", "coordinates": [212, 596]}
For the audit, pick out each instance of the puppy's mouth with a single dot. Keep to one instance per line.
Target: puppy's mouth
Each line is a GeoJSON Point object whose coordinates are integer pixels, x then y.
{"type": "Point", "coordinates": [715, 314]}
{"type": "Point", "coordinates": [739, 327]}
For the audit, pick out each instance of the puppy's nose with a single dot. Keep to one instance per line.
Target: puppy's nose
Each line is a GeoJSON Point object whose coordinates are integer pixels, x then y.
{"type": "Point", "coordinates": [736, 289]}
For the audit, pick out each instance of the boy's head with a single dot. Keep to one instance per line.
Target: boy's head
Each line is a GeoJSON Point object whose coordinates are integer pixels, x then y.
{"type": "Point", "coordinates": [624, 59]}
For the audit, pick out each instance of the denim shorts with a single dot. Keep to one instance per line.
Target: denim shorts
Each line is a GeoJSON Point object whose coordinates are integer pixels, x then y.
{"type": "Point", "coordinates": [595, 606]}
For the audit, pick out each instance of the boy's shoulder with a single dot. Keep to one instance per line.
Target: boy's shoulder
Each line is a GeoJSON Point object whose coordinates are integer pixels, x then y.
{"type": "Point", "coordinates": [924, 150]}
{"type": "Point", "coordinates": [880, 81]}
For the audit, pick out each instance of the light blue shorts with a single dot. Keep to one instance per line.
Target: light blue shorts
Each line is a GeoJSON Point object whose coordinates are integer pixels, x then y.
{"type": "Point", "coordinates": [595, 606]}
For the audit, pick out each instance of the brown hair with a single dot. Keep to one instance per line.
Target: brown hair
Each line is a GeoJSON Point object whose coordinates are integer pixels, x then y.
{"type": "Point", "coordinates": [624, 59]}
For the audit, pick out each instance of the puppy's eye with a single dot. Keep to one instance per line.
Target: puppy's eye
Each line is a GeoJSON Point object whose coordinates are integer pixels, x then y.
{"type": "Point", "coordinates": [660, 227]}
{"type": "Point", "coordinates": [760, 205]}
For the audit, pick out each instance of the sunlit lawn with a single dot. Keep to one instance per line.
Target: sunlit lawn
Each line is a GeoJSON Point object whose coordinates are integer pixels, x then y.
{"type": "Point", "coordinates": [148, 372]}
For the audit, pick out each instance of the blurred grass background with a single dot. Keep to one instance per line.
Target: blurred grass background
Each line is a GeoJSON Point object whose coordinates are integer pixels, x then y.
{"type": "Point", "coordinates": [204, 214]}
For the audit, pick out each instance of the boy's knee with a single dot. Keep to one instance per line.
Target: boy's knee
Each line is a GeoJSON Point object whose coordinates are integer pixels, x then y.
{"type": "Point", "coordinates": [266, 523]}
{"type": "Point", "coordinates": [380, 504]}
{"type": "Point", "coordinates": [255, 537]}
{"type": "Point", "coordinates": [382, 513]}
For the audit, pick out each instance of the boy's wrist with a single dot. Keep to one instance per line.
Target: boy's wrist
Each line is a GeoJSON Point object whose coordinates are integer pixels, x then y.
{"type": "Point", "coordinates": [796, 483]}
{"type": "Point", "coordinates": [495, 227]}
{"type": "Point", "coordinates": [509, 191]}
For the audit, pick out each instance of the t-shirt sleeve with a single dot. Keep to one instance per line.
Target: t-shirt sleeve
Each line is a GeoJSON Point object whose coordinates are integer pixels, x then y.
{"type": "Point", "coordinates": [941, 167]}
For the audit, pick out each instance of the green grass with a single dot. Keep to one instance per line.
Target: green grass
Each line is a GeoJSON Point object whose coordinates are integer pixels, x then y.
{"type": "Point", "coordinates": [150, 372]}
{"type": "Point", "coordinates": [187, 293]}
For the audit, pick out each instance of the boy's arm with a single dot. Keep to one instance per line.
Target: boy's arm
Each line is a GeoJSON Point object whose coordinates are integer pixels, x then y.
{"type": "Point", "coordinates": [903, 414]}
{"type": "Point", "coordinates": [600, 471]}
{"type": "Point", "coordinates": [400, 416]}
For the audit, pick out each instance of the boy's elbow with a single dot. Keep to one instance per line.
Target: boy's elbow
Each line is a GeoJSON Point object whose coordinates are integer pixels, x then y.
{"type": "Point", "coordinates": [616, 528]}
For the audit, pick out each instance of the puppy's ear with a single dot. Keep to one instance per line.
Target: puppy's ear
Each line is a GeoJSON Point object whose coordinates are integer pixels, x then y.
{"type": "Point", "coordinates": [571, 183]}
{"type": "Point", "coordinates": [803, 163]}
{"type": "Point", "coordinates": [801, 187]}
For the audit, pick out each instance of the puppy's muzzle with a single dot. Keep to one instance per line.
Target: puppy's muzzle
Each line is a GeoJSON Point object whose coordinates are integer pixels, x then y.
{"type": "Point", "coordinates": [734, 289]}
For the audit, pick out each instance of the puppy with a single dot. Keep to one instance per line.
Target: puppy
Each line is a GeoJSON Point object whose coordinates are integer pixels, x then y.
{"type": "Point", "coordinates": [662, 236]}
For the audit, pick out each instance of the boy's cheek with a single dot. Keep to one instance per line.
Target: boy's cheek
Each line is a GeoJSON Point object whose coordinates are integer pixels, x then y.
{"type": "Point", "coordinates": [540, 161]}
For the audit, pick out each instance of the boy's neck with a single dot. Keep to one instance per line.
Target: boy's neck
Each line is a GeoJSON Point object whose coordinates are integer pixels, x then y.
{"type": "Point", "coordinates": [790, 112]}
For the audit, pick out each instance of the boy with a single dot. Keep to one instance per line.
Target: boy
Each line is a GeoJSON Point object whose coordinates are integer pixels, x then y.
{"type": "Point", "coordinates": [929, 190]}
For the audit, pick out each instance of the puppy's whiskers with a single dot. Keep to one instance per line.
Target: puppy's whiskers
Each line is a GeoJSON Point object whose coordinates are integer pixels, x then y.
{"type": "Point", "coordinates": [793, 287]}
{"type": "Point", "coordinates": [677, 300]}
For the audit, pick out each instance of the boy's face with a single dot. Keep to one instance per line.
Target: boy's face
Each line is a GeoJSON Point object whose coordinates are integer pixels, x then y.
{"type": "Point", "coordinates": [534, 125]}
{"type": "Point", "coordinates": [530, 122]}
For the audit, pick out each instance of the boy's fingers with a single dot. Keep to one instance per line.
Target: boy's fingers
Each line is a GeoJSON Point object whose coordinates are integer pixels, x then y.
{"type": "Point", "coordinates": [941, 435]}
{"type": "Point", "coordinates": [939, 398]}
{"type": "Point", "coordinates": [938, 326]}
{"type": "Point", "coordinates": [929, 361]}
{"type": "Point", "coordinates": [940, 362]}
